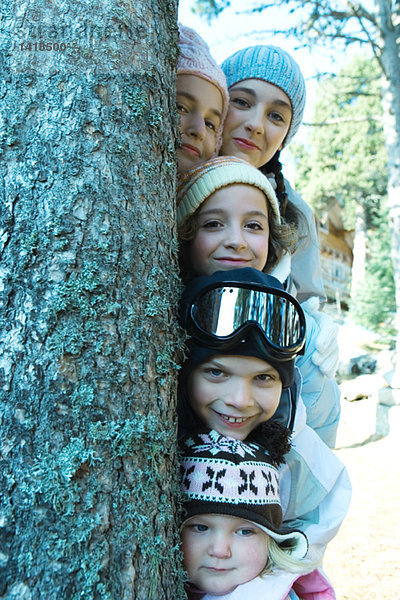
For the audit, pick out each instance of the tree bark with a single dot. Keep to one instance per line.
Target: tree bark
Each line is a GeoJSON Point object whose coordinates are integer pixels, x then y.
{"type": "Point", "coordinates": [389, 32]}
{"type": "Point", "coordinates": [89, 284]}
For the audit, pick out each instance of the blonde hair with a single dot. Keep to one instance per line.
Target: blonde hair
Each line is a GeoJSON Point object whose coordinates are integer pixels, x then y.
{"type": "Point", "coordinates": [279, 557]}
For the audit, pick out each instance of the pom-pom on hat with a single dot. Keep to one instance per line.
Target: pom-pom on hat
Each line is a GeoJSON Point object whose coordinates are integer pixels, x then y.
{"type": "Point", "coordinates": [225, 476]}
{"type": "Point", "coordinates": [195, 59]}
{"type": "Point", "coordinates": [273, 65]}
{"type": "Point", "coordinates": [197, 184]}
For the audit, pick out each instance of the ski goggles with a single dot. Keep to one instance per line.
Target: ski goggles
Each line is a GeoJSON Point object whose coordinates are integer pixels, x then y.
{"type": "Point", "coordinates": [221, 316]}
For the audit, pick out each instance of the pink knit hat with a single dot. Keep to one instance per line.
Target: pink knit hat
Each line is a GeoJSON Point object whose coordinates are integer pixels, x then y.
{"type": "Point", "coordinates": [195, 59]}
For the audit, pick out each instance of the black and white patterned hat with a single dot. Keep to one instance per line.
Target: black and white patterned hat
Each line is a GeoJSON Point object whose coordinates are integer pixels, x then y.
{"type": "Point", "coordinates": [221, 475]}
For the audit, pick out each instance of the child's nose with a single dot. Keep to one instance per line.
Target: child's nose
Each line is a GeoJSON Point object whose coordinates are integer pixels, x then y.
{"type": "Point", "coordinates": [235, 238]}
{"type": "Point", "coordinates": [255, 121]}
{"type": "Point", "coordinates": [220, 547]}
{"type": "Point", "coordinates": [239, 396]}
{"type": "Point", "coordinates": [197, 127]}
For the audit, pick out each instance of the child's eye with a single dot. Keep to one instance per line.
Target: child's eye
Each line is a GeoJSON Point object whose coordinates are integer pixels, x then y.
{"type": "Point", "coordinates": [212, 224]}
{"type": "Point", "coordinates": [240, 102]}
{"type": "Point", "coordinates": [245, 531]}
{"type": "Point", "coordinates": [215, 372]}
{"type": "Point", "coordinates": [264, 377]}
{"type": "Point", "coordinates": [211, 125]}
{"type": "Point", "coordinates": [255, 226]}
{"type": "Point", "coordinates": [199, 527]}
{"type": "Point", "coordinates": [182, 110]}
{"type": "Point", "coordinates": [277, 117]}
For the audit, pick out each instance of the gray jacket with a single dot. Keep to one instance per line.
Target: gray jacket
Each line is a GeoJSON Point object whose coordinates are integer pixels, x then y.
{"type": "Point", "coordinates": [306, 273]}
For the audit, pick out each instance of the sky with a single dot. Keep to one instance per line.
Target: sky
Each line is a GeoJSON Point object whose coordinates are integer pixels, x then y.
{"type": "Point", "coordinates": [234, 30]}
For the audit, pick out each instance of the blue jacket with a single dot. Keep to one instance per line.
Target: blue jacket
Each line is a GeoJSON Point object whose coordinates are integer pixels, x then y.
{"type": "Point", "coordinates": [320, 394]}
{"type": "Point", "coordinates": [315, 486]}
{"type": "Point", "coordinates": [306, 270]}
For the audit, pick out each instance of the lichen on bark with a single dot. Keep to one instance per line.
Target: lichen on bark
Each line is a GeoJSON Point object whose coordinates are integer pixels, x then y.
{"type": "Point", "coordinates": [90, 345]}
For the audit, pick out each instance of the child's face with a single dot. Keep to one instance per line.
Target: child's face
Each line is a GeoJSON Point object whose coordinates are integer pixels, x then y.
{"type": "Point", "coordinates": [234, 394]}
{"type": "Point", "coordinates": [258, 120]}
{"type": "Point", "coordinates": [199, 104]}
{"type": "Point", "coordinates": [221, 552]}
{"type": "Point", "coordinates": [232, 231]}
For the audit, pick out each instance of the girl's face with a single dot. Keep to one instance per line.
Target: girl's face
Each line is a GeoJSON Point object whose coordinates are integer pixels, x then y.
{"type": "Point", "coordinates": [232, 231]}
{"type": "Point", "coordinates": [221, 552]}
{"type": "Point", "coordinates": [258, 120]}
{"type": "Point", "coordinates": [199, 104]}
{"type": "Point", "coordinates": [234, 394]}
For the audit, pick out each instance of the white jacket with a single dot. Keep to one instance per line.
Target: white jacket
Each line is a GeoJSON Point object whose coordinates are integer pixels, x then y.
{"type": "Point", "coordinates": [315, 487]}
{"type": "Point", "coordinates": [282, 586]}
{"type": "Point", "coordinates": [306, 270]}
{"type": "Point", "coordinates": [321, 394]}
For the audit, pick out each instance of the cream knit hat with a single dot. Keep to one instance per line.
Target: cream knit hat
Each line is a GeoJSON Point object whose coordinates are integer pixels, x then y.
{"type": "Point", "coordinates": [197, 184]}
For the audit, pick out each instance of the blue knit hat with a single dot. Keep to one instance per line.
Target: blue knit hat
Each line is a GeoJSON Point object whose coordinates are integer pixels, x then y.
{"type": "Point", "coordinates": [273, 65]}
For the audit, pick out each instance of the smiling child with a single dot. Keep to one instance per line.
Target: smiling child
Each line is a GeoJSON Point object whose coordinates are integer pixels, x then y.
{"type": "Point", "coordinates": [228, 217]}
{"type": "Point", "coordinates": [202, 101]}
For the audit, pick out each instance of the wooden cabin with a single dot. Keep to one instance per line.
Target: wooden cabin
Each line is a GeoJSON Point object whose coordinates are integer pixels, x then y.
{"type": "Point", "coordinates": [336, 247]}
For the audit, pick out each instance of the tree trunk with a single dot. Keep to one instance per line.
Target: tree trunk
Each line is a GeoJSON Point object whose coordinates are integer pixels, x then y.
{"type": "Point", "coordinates": [389, 29]}
{"type": "Point", "coordinates": [89, 287]}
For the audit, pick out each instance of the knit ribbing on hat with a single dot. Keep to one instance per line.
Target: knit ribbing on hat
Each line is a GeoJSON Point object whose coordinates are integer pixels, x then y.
{"type": "Point", "coordinates": [273, 65]}
{"type": "Point", "coordinates": [224, 470]}
{"type": "Point", "coordinates": [195, 59]}
{"type": "Point", "coordinates": [197, 184]}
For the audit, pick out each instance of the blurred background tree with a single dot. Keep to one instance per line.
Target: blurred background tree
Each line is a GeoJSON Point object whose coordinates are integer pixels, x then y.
{"type": "Point", "coordinates": [345, 160]}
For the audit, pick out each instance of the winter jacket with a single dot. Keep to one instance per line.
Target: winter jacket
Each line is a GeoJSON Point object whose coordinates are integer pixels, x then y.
{"type": "Point", "coordinates": [306, 272]}
{"type": "Point", "coordinates": [282, 586]}
{"type": "Point", "coordinates": [315, 488]}
{"type": "Point", "coordinates": [320, 394]}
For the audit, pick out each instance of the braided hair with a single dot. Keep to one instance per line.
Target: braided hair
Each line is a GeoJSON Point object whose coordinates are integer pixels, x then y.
{"type": "Point", "coordinates": [290, 213]}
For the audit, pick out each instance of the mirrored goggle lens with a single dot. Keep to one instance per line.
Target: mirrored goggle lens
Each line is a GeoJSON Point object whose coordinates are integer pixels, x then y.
{"type": "Point", "coordinates": [222, 311]}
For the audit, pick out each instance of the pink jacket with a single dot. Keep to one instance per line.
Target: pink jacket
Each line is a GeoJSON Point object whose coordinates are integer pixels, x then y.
{"type": "Point", "coordinates": [314, 586]}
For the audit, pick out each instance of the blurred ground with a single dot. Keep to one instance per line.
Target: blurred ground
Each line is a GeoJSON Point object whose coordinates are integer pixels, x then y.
{"type": "Point", "coordinates": [363, 561]}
